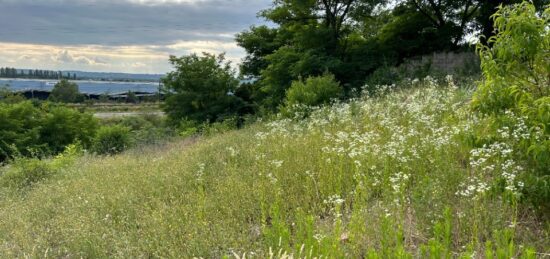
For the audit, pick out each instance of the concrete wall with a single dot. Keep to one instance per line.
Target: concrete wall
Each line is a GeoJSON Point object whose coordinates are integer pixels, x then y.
{"type": "Point", "coordinates": [448, 63]}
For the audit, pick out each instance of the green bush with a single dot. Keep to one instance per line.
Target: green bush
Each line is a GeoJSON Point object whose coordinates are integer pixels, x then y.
{"type": "Point", "coordinates": [62, 126]}
{"type": "Point", "coordinates": [515, 92]}
{"type": "Point", "coordinates": [35, 130]}
{"type": "Point", "coordinates": [112, 140]}
{"type": "Point", "coordinates": [314, 91]}
{"type": "Point", "coordinates": [8, 96]}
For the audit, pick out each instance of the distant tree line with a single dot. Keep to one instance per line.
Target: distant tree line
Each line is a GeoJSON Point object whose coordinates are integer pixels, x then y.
{"type": "Point", "coordinates": [7, 72]}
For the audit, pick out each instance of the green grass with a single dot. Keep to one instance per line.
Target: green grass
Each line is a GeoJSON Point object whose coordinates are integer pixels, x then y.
{"type": "Point", "coordinates": [387, 177]}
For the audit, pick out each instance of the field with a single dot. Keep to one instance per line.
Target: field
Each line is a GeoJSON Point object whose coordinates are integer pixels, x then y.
{"type": "Point", "coordinates": [113, 109]}
{"type": "Point", "coordinates": [396, 175]}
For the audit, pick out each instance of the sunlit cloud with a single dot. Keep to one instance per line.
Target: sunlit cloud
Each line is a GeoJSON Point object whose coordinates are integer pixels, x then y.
{"type": "Point", "coordinates": [129, 59]}
{"type": "Point", "coordinates": [121, 36]}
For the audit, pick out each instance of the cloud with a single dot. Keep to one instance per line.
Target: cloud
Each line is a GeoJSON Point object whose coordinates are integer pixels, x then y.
{"type": "Point", "coordinates": [65, 57]}
{"type": "Point", "coordinates": [120, 36]}
{"type": "Point", "coordinates": [129, 22]}
{"type": "Point", "coordinates": [130, 59]}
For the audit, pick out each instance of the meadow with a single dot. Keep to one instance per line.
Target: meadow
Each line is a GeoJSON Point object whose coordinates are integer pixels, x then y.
{"type": "Point", "coordinates": [398, 173]}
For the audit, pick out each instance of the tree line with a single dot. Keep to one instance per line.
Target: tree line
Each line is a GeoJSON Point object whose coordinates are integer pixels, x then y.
{"type": "Point", "coordinates": [7, 72]}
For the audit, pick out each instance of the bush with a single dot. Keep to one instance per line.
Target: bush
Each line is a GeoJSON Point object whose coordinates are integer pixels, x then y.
{"type": "Point", "coordinates": [111, 140]}
{"type": "Point", "coordinates": [515, 92]}
{"type": "Point", "coordinates": [8, 96]}
{"type": "Point", "coordinates": [34, 130]}
{"type": "Point", "coordinates": [62, 126]}
{"type": "Point", "coordinates": [314, 91]}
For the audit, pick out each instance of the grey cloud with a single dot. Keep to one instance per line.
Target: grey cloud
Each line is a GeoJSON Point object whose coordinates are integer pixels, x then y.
{"type": "Point", "coordinates": [65, 56]}
{"type": "Point", "coordinates": [115, 23]}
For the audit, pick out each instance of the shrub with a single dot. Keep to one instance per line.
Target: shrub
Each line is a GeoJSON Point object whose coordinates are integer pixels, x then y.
{"type": "Point", "coordinates": [8, 96]}
{"type": "Point", "coordinates": [187, 128]}
{"type": "Point", "coordinates": [515, 92]}
{"type": "Point", "coordinates": [314, 91]}
{"type": "Point", "coordinates": [19, 129]}
{"type": "Point", "coordinates": [111, 140]}
{"type": "Point", "coordinates": [62, 126]}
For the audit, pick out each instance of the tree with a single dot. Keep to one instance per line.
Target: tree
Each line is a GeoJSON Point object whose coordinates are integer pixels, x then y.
{"type": "Point", "coordinates": [259, 42]}
{"type": "Point", "coordinates": [65, 91]}
{"type": "Point", "coordinates": [483, 21]}
{"type": "Point", "coordinates": [311, 37]}
{"type": "Point", "coordinates": [201, 89]}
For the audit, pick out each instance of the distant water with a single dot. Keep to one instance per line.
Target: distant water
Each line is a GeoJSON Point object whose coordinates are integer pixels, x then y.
{"type": "Point", "coordinates": [87, 87]}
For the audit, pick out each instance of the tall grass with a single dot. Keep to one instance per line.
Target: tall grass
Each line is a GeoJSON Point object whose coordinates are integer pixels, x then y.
{"type": "Point", "coordinates": [393, 176]}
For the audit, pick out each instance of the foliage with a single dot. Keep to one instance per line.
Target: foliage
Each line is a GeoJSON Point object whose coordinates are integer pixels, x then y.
{"type": "Point", "coordinates": [24, 172]}
{"type": "Point", "coordinates": [10, 97]}
{"type": "Point", "coordinates": [398, 175]}
{"type": "Point", "coordinates": [516, 87]}
{"type": "Point", "coordinates": [314, 91]}
{"type": "Point", "coordinates": [29, 130]}
{"type": "Point", "coordinates": [131, 97]}
{"type": "Point", "coordinates": [62, 126]}
{"type": "Point", "coordinates": [353, 40]}
{"type": "Point", "coordinates": [201, 89]}
{"type": "Point", "coordinates": [111, 140]}
{"type": "Point", "coordinates": [65, 91]}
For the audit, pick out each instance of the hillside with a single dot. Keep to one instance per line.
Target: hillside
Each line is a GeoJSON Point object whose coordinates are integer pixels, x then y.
{"type": "Point", "coordinates": [396, 175]}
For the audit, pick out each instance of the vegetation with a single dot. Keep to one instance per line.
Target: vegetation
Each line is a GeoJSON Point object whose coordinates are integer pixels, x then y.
{"type": "Point", "coordinates": [112, 140]}
{"type": "Point", "coordinates": [36, 131]}
{"type": "Point", "coordinates": [8, 96]}
{"type": "Point", "coordinates": [65, 91]}
{"type": "Point", "coordinates": [416, 168]}
{"type": "Point", "coordinates": [314, 91]}
{"type": "Point", "coordinates": [201, 89]}
{"type": "Point", "coordinates": [7, 72]}
{"type": "Point", "coordinates": [516, 69]}
{"type": "Point", "coordinates": [394, 175]}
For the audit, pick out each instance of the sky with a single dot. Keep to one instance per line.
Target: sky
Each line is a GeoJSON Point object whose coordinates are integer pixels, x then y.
{"type": "Point", "coordinates": [131, 36]}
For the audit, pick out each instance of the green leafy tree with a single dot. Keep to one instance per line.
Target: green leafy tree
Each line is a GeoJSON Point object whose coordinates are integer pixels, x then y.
{"type": "Point", "coordinates": [311, 37]}
{"type": "Point", "coordinates": [201, 89]}
{"type": "Point", "coordinates": [65, 91]}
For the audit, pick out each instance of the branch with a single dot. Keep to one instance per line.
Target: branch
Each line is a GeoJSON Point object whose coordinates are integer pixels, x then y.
{"type": "Point", "coordinates": [434, 21]}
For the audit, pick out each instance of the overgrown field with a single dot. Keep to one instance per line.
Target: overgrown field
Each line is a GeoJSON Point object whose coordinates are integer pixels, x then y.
{"type": "Point", "coordinates": [402, 174]}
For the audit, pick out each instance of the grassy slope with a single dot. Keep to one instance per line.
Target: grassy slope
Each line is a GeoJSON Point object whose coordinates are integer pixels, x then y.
{"type": "Point", "coordinates": [372, 175]}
